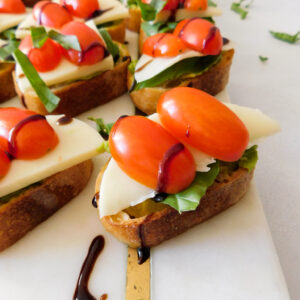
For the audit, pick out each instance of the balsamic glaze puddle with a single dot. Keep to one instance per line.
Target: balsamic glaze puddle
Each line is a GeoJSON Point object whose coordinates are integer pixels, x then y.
{"type": "Point", "coordinates": [95, 200]}
{"type": "Point", "coordinates": [64, 120]}
{"type": "Point", "coordinates": [143, 254]}
{"type": "Point", "coordinates": [81, 291]}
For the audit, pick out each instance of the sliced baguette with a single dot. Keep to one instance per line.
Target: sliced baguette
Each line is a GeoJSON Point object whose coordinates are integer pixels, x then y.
{"type": "Point", "coordinates": [36, 204]}
{"type": "Point", "coordinates": [212, 81]}
{"type": "Point", "coordinates": [133, 22]}
{"type": "Point", "coordinates": [82, 95]}
{"type": "Point", "coordinates": [165, 223]}
{"type": "Point", "coordinates": [7, 88]}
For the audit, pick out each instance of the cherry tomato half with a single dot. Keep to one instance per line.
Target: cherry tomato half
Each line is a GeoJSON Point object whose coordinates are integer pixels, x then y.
{"type": "Point", "coordinates": [81, 8]}
{"type": "Point", "coordinates": [51, 14]}
{"type": "Point", "coordinates": [212, 127]}
{"type": "Point", "coordinates": [92, 47]}
{"type": "Point", "coordinates": [4, 164]}
{"type": "Point", "coordinates": [150, 155]}
{"type": "Point", "coordinates": [12, 7]}
{"type": "Point", "coordinates": [163, 45]}
{"type": "Point", "coordinates": [200, 35]}
{"type": "Point", "coordinates": [45, 58]}
{"type": "Point", "coordinates": [170, 5]}
{"type": "Point", "coordinates": [32, 140]}
{"type": "Point", "coordinates": [195, 4]}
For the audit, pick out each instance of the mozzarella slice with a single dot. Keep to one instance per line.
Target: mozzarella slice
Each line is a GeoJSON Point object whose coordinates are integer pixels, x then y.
{"type": "Point", "coordinates": [258, 124]}
{"type": "Point", "coordinates": [77, 142]}
{"type": "Point", "coordinates": [130, 192]}
{"type": "Point", "coordinates": [148, 67]}
{"type": "Point", "coordinates": [211, 11]}
{"type": "Point", "coordinates": [118, 191]}
{"type": "Point", "coordinates": [11, 20]}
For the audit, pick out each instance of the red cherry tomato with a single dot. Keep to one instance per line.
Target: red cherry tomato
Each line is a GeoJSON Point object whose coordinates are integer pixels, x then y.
{"type": "Point", "coordinates": [212, 127]}
{"type": "Point", "coordinates": [92, 47]}
{"type": "Point", "coordinates": [31, 139]}
{"type": "Point", "coordinates": [170, 5]}
{"type": "Point", "coordinates": [141, 147]}
{"type": "Point", "coordinates": [195, 4]}
{"type": "Point", "coordinates": [51, 14]}
{"type": "Point", "coordinates": [45, 58]}
{"type": "Point", "coordinates": [200, 35]}
{"type": "Point", "coordinates": [163, 44]}
{"type": "Point", "coordinates": [4, 164]}
{"type": "Point", "coordinates": [12, 7]}
{"type": "Point", "coordinates": [81, 8]}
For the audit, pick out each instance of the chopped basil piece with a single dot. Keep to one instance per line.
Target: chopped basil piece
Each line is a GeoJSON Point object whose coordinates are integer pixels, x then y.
{"type": "Point", "coordinates": [249, 158]}
{"type": "Point", "coordinates": [263, 58]}
{"type": "Point", "coordinates": [211, 3]}
{"type": "Point", "coordinates": [102, 128]}
{"type": "Point", "coordinates": [66, 41]}
{"type": "Point", "coordinates": [39, 36]}
{"type": "Point", "coordinates": [151, 28]}
{"type": "Point", "coordinates": [9, 34]}
{"type": "Point", "coordinates": [149, 11]}
{"type": "Point", "coordinates": [292, 39]}
{"type": "Point", "coordinates": [45, 94]}
{"type": "Point", "coordinates": [7, 50]}
{"type": "Point", "coordinates": [236, 7]}
{"type": "Point", "coordinates": [111, 46]}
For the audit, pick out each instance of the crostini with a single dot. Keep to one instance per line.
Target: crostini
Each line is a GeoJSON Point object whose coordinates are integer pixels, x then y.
{"type": "Point", "coordinates": [108, 14]}
{"type": "Point", "coordinates": [12, 12]}
{"type": "Point", "coordinates": [84, 74]}
{"type": "Point", "coordinates": [194, 55]}
{"type": "Point", "coordinates": [179, 167]}
{"type": "Point", "coordinates": [44, 163]}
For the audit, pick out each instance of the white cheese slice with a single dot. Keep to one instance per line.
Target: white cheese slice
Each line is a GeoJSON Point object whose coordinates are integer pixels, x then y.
{"type": "Point", "coordinates": [77, 142]}
{"type": "Point", "coordinates": [11, 20]}
{"type": "Point", "coordinates": [258, 124]}
{"type": "Point", "coordinates": [211, 11]}
{"type": "Point", "coordinates": [130, 192]}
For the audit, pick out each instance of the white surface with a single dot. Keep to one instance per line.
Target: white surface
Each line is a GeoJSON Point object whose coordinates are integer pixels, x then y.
{"type": "Point", "coordinates": [274, 88]}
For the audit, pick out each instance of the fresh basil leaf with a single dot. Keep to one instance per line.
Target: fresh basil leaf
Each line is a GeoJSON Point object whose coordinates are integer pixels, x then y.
{"type": "Point", "coordinates": [249, 158]}
{"type": "Point", "coordinates": [7, 50]}
{"type": "Point", "coordinates": [39, 36]}
{"type": "Point", "coordinates": [282, 36]}
{"type": "Point", "coordinates": [131, 3]}
{"type": "Point", "coordinates": [151, 28]}
{"type": "Point", "coordinates": [132, 65]}
{"type": "Point", "coordinates": [211, 3]}
{"type": "Point", "coordinates": [194, 65]}
{"type": "Point", "coordinates": [189, 199]}
{"type": "Point", "coordinates": [111, 46]}
{"type": "Point", "coordinates": [149, 11]}
{"type": "Point", "coordinates": [102, 128]}
{"type": "Point", "coordinates": [104, 147]}
{"type": "Point", "coordinates": [45, 94]}
{"type": "Point", "coordinates": [9, 34]}
{"type": "Point", "coordinates": [66, 41]}
{"type": "Point", "coordinates": [263, 58]}
{"type": "Point", "coordinates": [236, 7]}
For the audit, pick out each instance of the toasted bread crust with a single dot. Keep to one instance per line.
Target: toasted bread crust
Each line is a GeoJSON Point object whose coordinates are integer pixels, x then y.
{"type": "Point", "coordinates": [80, 96]}
{"type": "Point", "coordinates": [133, 22]}
{"type": "Point", "coordinates": [24, 212]}
{"type": "Point", "coordinates": [153, 229]}
{"type": "Point", "coordinates": [7, 88]}
{"type": "Point", "coordinates": [212, 81]}
{"type": "Point", "coordinates": [117, 32]}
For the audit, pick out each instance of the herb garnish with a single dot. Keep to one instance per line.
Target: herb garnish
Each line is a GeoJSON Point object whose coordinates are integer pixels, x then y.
{"type": "Point", "coordinates": [102, 128]}
{"type": "Point", "coordinates": [263, 58]}
{"type": "Point", "coordinates": [239, 9]}
{"type": "Point", "coordinates": [149, 11]}
{"type": "Point", "coordinates": [112, 47]}
{"type": "Point", "coordinates": [292, 39]}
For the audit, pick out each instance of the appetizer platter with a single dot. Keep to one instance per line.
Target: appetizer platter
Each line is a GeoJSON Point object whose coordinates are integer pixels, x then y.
{"type": "Point", "coordinates": [116, 147]}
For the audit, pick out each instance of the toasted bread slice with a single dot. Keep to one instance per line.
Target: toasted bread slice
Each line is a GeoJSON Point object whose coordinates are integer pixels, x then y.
{"type": "Point", "coordinates": [133, 22]}
{"type": "Point", "coordinates": [212, 81]}
{"type": "Point", "coordinates": [82, 95]}
{"type": "Point", "coordinates": [117, 32]}
{"type": "Point", "coordinates": [37, 203]}
{"type": "Point", "coordinates": [154, 223]}
{"type": "Point", "coordinates": [7, 88]}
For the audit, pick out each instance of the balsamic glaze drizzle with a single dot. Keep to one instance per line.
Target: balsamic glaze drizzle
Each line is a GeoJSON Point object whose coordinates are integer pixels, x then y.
{"type": "Point", "coordinates": [225, 41]}
{"type": "Point", "coordinates": [95, 200]}
{"type": "Point", "coordinates": [64, 120]}
{"type": "Point", "coordinates": [82, 292]}
{"type": "Point", "coordinates": [143, 252]}
{"type": "Point", "coordinates": [98, 13]}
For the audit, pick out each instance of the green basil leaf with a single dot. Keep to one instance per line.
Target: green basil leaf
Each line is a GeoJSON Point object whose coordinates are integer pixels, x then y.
{"type": "Point", "coordinates": [102, 128]}
{"type": "Point", "coordinates": [211, 3]}
{"type": "Point", "coordinates": [9, 34]}
{"type": "Point", "coordinates": [236, 7]}
{"type": "Point", "coordinates": [282, 36]}
{"type": "Point", "coordinates": [194, 65]}
{"type": "Point", "coordinates": [132, 65]}
{"type": "Point", "coordinates": [249, 158]}
{"type": "Point", "coordinates": [112, 47]}
{"type": "Point", "coordinates": [190, 198]}
{"type": "Point", "coordinates": [66, 41]}
{"type": "Point", "coordinates": [45, 94]}
{"type": "Point", "coordinates": [39, 36]}
{"type": "Point", "coordinates": [7, 50]}
{"type": "Point", "coordinates": [263, 58]}
{"type": "Point", "coordinates": [151, 28]}
{"type": "Point", "coordinates": [149, 11]}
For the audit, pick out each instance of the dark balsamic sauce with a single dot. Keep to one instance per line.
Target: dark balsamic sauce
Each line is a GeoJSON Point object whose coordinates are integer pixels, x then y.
{"type": "Point", "coordinates": [144, 66]}
{"type": "Point", "coordinates": [23, 101]}
{"type": "Point", "coordinates": [124, 58]}
{"type": "Point", "coordinates": [64, 120]}
{"type": "Point", "coordinates": [160, 197]}
{"type": "Point", "coordinates": [98, 13]}
{"type": "Point", "coordinates": [82, 292]}
{"type": "Point", "coordinates": [143, 252]}
{"type": "Point", "coordinates": [90, 47]}
{"type": "Point", "coordinates": [164, 166]}
{"type": "Point", "coordinates": [95, 200]}
{"type": "Point", "coordinates": [185, 25]}
{"type": "Point", "coordinates": [12, 147]}
{"type": "Point", "coordinates": [103, 297]}
{"type": "Point", "coordinates": [225, 41]}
